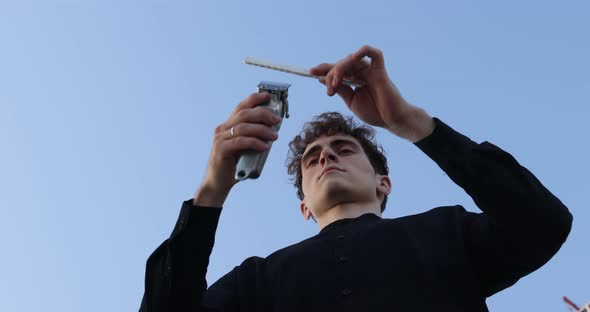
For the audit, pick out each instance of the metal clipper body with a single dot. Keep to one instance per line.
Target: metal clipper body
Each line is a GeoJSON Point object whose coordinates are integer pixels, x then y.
{"type": "Point", "coordinates": [250, 163]}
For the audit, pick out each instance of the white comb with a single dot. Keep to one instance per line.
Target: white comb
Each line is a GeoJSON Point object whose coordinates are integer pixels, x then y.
{"type": "Point", "coordinates": [293, 70]}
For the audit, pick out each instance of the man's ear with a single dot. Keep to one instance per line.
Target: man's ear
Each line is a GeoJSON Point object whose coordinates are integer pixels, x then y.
{"type": "Point", "coordinates": [383, 185]}
{"type": "Point", "coordinates": [305, 210]}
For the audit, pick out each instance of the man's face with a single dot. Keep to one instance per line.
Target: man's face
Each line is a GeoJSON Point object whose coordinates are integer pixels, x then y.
{"type": "Point", "coordinates": [335, 170]}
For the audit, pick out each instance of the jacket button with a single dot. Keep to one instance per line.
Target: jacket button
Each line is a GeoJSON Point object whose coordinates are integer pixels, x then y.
{"type": "Point", "coordinates": [340, 236]}
{"type": "Point", "coordinates": [346, 292]}
{"type": "Point", "coordinates": [342, 259]}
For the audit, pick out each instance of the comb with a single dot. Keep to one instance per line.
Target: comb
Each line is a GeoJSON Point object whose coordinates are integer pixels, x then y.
{"type": "Point", "coordinates": [293, 70]}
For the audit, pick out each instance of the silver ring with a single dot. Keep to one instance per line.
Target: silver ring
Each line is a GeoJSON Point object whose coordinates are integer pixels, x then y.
{"type": "Point", "coordinates": [231, 131]}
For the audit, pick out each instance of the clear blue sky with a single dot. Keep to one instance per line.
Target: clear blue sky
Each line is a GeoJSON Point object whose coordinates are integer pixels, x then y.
{"type": "Point", "coordinates": [107, 110]}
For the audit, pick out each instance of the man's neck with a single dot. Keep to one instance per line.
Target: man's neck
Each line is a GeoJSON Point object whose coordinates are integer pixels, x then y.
{"type": "Point", "coordinates": [346, 210]}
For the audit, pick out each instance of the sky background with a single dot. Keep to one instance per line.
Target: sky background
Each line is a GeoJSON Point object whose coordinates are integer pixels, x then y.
{"type": "Point", "coordinates": [107, 111]}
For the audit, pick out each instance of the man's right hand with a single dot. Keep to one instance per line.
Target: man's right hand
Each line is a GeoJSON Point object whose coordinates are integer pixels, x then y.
{"type": "Point", "coordinates": [251, 129]}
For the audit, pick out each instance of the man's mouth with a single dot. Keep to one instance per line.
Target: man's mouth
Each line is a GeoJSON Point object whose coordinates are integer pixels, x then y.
{"type": "Point", "coordinates": [328, 170]}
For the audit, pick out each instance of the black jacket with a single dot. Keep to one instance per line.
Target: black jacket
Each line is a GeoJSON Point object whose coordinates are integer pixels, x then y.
{"type": "Point", "coordinates": [446, 259]}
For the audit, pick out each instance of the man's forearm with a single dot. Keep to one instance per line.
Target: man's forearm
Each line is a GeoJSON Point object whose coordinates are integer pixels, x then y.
{"type": "Point", "coordinates": [507, 192]}
{"type": "Point", "coordinates": [176, 270]}
{"type": "Point", "coordinates": [522, 225]}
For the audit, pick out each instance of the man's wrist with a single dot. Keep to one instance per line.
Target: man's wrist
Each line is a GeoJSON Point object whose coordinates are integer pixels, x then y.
{"type": "Point", "coordinates": [210, 196]}
{"type": "Point", "coordinates": [415, 126]}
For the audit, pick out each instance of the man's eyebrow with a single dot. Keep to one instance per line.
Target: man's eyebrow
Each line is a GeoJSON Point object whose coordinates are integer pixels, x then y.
{"type": "Point", "coordinates": [311, 151]}
{"type": "Point", "coordinates": [334, 143]}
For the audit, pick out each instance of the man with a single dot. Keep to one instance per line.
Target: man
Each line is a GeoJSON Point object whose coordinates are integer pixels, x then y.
{"type": "Point", "coordinates": [446, 259]}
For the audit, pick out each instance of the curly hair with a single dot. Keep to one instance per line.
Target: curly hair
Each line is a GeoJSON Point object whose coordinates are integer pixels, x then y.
{"type": "Point", "coordinates": [328, 124]}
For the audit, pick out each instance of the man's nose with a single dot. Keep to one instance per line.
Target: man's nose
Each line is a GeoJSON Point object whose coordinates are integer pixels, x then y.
{"type": "Point", "coordinates": [326, 155]}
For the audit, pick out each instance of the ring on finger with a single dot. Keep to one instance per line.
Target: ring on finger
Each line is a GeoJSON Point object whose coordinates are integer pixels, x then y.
{"type": "Point", "coordinates": [231, 131]}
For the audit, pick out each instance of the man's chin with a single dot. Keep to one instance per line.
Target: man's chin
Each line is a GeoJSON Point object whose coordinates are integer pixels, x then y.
{"type": "Point", "coordinates": [336, 189]}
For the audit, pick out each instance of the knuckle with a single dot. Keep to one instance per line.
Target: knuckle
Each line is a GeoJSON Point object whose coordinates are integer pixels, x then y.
{"type": "Point", "coordinates": [219, 128]}
{"type": "Point", "coordinates": [241, 114]}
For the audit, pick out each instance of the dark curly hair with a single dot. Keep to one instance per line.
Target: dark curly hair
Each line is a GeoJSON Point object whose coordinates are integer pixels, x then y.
{"type": "Point", "coordinates": [328, 124]}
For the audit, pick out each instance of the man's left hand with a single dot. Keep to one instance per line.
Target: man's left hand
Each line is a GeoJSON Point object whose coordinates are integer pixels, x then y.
{"type": "Point", "coordinates": [377, 102]}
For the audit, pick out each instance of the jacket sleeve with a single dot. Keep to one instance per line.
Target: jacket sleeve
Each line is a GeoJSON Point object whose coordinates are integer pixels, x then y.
{"type": "Point", "coordinates": [175, 271]}
{"type": "Point", "coordinates": [522, 225]}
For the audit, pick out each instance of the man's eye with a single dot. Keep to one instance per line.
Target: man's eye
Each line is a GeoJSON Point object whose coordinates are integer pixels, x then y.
{"type": "Point", "coordinates": [312, 162]}
{"type": "Point", "coordinates": [346, 151]}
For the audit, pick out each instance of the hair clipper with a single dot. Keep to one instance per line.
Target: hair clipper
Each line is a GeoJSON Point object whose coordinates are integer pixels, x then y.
{"type": "Point", "coordinates": [250, 163]}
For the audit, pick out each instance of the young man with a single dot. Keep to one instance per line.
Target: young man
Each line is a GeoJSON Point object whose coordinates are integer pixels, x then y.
{"type": "Point", "coordinates": [446, 259]}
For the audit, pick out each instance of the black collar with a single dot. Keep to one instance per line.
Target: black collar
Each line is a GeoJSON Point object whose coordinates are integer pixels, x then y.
{"type": "Point", "coordinates": [338, 224]}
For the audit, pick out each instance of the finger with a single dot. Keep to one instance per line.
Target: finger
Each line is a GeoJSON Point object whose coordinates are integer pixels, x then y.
{"type": "Point", "coordinates": [374, 54]}
{"type": "Point", "coordinates": [259, 131]}
{"type": "Point", "coordinates": [253, 100]}
{"type": "Point", "coordinates": [345, 92]}
{"type": "Point", "coordinates": [338, 72]}
{"type": "Point", "coordinates": [328, 80]}
{"type": "Point", "coordinates": [321, 70]}
{"type": "Point", "coordinates": [241, 143]}
{"type": "Point", "coordinates": [323, 81]}
{"type": "Point", "coordinates": [259, 114]}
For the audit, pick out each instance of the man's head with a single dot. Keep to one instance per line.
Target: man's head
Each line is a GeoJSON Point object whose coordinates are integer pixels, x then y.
{"type": "Point", "coordinates": [333, 161]}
